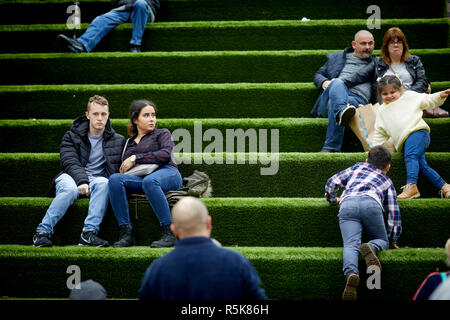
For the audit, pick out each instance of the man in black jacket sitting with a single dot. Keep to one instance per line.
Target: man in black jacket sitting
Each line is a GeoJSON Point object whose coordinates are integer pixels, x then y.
{"type": "Point", "coordinates": [139, 12]}
{"type": "Point", "coordinates": [89, 153]}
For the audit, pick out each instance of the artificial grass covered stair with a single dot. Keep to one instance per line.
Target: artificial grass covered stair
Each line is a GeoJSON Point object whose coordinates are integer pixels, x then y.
{"type": "Point", "coordinates": [227, 65]}
{"type": "Point", "coordinates": [257, 222]}
{"type": "Point", "coordinates": [306, 273]}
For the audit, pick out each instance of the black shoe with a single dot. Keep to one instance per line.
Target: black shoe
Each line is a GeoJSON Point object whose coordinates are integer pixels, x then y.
{"type": "Point", "coordinates": [351, 286]}
{"type": "Point", "coordinates": [126, 237]}
{"type": "Point", "coordinates": [328, 151]}
{"type": "Point", "coordinates": [73, 44]}
{"type": "Point", "coordinates": [42, 240]}
{"type": "Point", "coordinates": [135, 48]}
{"type": "Point", "coordinates": [346, 115]}
{"type": "Point", "coordinates": [89, 238]}
{"type": "Point", "coordinates": [167, 240]}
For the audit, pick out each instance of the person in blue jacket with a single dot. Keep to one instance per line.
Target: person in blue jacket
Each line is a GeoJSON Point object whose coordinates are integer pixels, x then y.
{"type": "Point", "coordinates": [198, 268]}
{"type": "Point", "coordinates": [345, 82]}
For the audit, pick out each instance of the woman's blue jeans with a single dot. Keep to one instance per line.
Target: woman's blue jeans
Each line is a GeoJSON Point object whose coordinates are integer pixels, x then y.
{"type": "Point", "coordinates": [356, 213]}
{"type": "Point", "coordinates": [154, 186]}
{"type": "Point", "coordinates": [102, 25]}
{"type": "Point", "coordinates": [414, 156]}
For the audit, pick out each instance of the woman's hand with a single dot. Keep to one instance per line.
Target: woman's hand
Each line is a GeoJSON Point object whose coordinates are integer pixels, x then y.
{"type": "Point", "coordinates": [128, 164]}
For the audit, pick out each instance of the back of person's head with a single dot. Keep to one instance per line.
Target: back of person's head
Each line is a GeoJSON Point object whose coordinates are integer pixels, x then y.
{"type": "Point", "coordinates": [379, 156]}
{"type": "Point", "coordinates": [98, 100]}
{"type": "Point", "coordinates": [89, 290]}
{"type": "Point", "coordinates": [190, 217]}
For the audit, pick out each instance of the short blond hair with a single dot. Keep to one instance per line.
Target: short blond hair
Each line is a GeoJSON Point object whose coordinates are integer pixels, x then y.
{"type": "Point", "coordinates": [97, 99]}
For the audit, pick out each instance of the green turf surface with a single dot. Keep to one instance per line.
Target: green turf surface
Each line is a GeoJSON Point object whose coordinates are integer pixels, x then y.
{"type": "Point", "coordinates": [259, 222]}
{"type": "Point", "coordinates": [295, 134]}
{"type": "Point", "coordinates": [231, 100]}
{"type": "Point", "coordinates": [302, 273]}
{"type": "Point", "coordinates": [183, 66]}
{"type": "Point", "coordinates": [239, 175]}
{"type": "Point", "coordinates": [36, 11]}
{"type": "Point", "coordinates": [228, 35]}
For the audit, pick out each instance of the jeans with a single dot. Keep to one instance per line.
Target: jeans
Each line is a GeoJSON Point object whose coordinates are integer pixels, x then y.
{"type": "Point", "coordinates": [67, 193]}
{"type": "Point", "coordinates": [356, 213]}
{"type": "Point", "coordinates": [331, 102]}
{"type": "Point", "coordinates": [102, 25]}
{"type": "Point", "coordinates": [154, 186]}
{"type": "Point", "coordinates": [414, 156]}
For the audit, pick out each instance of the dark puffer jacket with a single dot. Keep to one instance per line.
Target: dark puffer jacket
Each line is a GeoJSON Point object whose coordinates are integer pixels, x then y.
{"type": "Point", "coordinates": [333, 67]}
{"type": "Point", "coordinates": [75, 149]}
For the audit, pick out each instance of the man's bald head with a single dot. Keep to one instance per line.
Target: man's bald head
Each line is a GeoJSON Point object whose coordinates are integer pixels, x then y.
{"type": "Point", "coordinates": [191, 218]}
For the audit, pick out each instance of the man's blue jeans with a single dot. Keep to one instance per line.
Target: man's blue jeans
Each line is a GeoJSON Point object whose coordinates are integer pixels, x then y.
{"type": "Point", "coordinates": [154, 186]}
{"type": "Point", "coordinates": [332, 101]}
{"type": "Point", "coordinates": [67, 193]}
{"type": "Point", "coordinates": [102, 25]}
{"type": "Point", "coordinates": [414, 156]}
{"type": "Point", "coordinates": [356, 213]}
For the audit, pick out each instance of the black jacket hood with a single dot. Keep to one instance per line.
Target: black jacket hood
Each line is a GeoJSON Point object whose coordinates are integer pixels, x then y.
{"type": "Point", "coordinates": [80, 126]}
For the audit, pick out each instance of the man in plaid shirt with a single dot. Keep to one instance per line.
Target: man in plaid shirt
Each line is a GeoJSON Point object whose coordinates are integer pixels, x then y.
{"type": "Point", "coordinates": [368, 192]}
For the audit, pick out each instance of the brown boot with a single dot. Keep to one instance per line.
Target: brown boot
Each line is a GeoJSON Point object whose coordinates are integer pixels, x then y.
{"type": "Point", "coordinates": [351, 285]}
{"type": "Point", "coordinates": [445, 191]}
{"type": "Point", "coordinates": [410, 191]}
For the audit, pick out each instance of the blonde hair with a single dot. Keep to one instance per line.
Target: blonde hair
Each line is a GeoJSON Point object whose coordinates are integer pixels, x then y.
{"type": "Point", "coordinates": [97, 99]}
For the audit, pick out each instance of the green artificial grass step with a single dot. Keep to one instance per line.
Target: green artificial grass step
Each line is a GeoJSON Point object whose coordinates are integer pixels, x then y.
{"type": "Point", "coordinates": [54, 11]}
{"type": "Point", "coordinates": [295, 134]}
{"type": "Point", "coordinates": [229, 100]}
{"type": "Point", "coordinates": [286, 273]}
{"type": "Point", "coordinates": [239, 174]}
{"type": "Point", "coordinates": [183, 66]}
{"type": "Point", "coordinates": [263, 222]}
{"type": "Point", "coordinates": [228, 35]}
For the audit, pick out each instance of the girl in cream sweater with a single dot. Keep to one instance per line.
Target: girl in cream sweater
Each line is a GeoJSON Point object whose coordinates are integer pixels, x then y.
{"type": "Point", "coordinates": [400, 117]}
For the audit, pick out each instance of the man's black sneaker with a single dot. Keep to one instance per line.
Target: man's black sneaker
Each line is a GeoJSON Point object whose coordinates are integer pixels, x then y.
{"type": "Point", "coordinates": [73, 44]}
{"type": "Point", "coordinates": [135, 48]}
{"type": "Point", "coordinates": [89, 238]}
{"type": "Point", "coordinates": [41, 239]}
{"type": "Point", "coordinates": [346, 115]}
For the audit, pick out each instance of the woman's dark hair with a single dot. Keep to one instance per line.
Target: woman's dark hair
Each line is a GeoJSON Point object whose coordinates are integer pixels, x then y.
{"type": "Point", "coordinates": [389, 80]}
{"type": "Point", "coordinates": [379, 156]}
{"type": "Point", "coordinates": [135, 109]}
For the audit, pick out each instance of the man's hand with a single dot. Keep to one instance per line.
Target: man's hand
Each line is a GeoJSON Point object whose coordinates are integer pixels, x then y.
{"type": "Point", "coordinates": [325, 84]}
{"type": "Point", "coordinates": [429, 89]}
{"type": "Point", "coordinates": [83, 190]}
{"type": "Point", "coordinates": [127, 164]}
{"type": "Point", "coordinates": [393, 246]}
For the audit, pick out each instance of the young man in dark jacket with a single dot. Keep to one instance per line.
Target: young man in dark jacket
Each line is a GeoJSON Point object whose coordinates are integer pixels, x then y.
{"type": "Point", "coordinates": [345, 82]}
{"type": "Point", "coordinates": [139, 12]}
{"type": "Point", "coordinates": [89, 153]}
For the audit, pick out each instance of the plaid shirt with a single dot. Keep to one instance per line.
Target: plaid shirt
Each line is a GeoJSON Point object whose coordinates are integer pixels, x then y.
{"type": "Point", "coordinates": [365, 179]}
{"type": "Point", "coordinates": [154, 147]}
